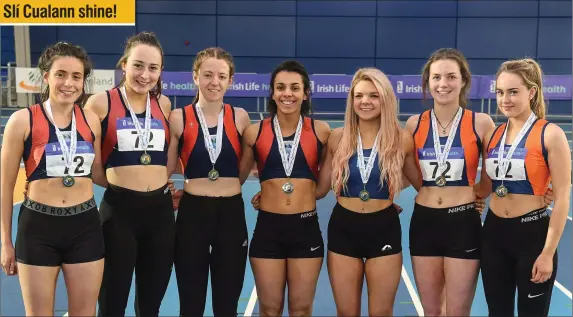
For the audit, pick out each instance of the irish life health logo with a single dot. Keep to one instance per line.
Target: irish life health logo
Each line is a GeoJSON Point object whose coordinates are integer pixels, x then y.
{"type": "Point", "coordinates": [399, 86]}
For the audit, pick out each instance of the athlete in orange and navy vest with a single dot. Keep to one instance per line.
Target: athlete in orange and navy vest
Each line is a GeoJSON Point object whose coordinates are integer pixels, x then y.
{"type": "Point", "coordinates": [43, 157]}
{"type": "Point", "coordinates": [463, 159]}
{"type": "Point", "coordinates": [193, 155]}
{"type": "Point", "coordinates": [528, 171]}
{"type": "Point", "coordinates": [267, 155]}
{"type": "Point", "coordinates": [120, 142]}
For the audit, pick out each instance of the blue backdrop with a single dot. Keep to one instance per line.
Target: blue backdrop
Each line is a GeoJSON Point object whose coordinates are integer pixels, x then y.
{"type": "Point", "coordinates": [335, 36]}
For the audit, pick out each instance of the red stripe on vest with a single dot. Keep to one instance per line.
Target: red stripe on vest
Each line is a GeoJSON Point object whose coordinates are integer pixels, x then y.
{"type": "Point", "coordinates": [190, 132]}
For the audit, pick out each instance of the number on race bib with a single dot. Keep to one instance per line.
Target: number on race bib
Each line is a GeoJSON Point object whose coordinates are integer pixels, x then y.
{"type": "Point", "coordinates": [137, 142]}
{"type": "Point", "coordinates": [78, 170]}
{"type": "Point", "coordinates": [448, 166]}
{"type": "Point", "coordinates": [507, 174]}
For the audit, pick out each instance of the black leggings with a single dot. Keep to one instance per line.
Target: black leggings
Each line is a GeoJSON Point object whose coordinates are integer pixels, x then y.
{"type": "Point", "coordinates": [139, 232]}
{"type": "Point", "coordinates": [510, 248]}
{"type": "Point", "coordinates": [211, 235]}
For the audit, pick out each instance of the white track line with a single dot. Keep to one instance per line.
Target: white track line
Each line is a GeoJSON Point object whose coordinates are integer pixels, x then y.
{"type": "Point", "coordinates": [563, 289]}
{"type": "Point", "coordinates": [412, 292]}
{"type": "Point", "coordinates": [251, 303]}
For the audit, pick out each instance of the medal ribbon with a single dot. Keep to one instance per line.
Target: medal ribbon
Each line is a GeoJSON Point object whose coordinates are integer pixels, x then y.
{"type": "Point", "coordinates": [67, 152]}
{"type": "Point", "coordinates": [365, 171]}
{"type": "Point", "coordinates": [143, 134]}
{"type": "Point", "coordinates": [442, 157]}
{"type": "Point", "coordinates": [503, 162]}
{"type": "Point", "coordinates": [288, 163]}
{"type": "Point", "coordinates": [213, 151]}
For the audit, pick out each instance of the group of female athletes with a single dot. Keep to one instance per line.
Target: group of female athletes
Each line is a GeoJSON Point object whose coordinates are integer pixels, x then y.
{"type": "Point", "coordinates": [130, 141]}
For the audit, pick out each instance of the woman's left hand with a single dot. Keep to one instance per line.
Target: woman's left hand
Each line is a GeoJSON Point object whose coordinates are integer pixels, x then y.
{"type": "Point", "coordinates": [542, 269]}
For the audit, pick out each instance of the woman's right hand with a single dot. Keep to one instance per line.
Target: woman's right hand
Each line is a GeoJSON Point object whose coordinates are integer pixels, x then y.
{"type": "Point", "coordinates": [255, 201]}
{"type": "Point", "coordinates": [8, 260]}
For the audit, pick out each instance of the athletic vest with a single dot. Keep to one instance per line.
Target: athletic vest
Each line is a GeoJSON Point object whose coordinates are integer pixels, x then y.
{"type": "Point", "coordinates": [354, 184]}
{"type": "Point", "coordinates": [528, 171]}
{"type": "Point", "coordinates": [269, 162]}
{"type": "Point", "coordinates": [193, 154]}
{"type": "Point", "coordinates": [43, 156]}
{"type": "Point", "coordinates": [121, 145]}
{"type": "Point", "coordinates": [463, 159]}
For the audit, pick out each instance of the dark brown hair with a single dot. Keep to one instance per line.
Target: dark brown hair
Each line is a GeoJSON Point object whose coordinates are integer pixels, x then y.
{"type": "Point", "coordinates": [64, 49]}
{"type": "Point", "coordinates": [457, 56]}
{"type": "Point", "coordinates": [294, 67]}
{"type": "Point", "coordinates": [147, 38]}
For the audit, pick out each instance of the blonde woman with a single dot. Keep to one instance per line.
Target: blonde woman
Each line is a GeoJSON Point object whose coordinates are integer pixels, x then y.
{"type": "Point", "coordinates": [363, 165]}
{"type": "Point", "coordinates": [522, 156]}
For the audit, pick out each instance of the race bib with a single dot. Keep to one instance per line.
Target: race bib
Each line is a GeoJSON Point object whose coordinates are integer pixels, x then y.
{"type": "Point", "coordinates": [454, 164]}
{"type": "Point", "coordinates": [81, 163]}
{"type": "Point", "coordinates": [128, 139]}
{"type": "Point", "coordinates": [515, 168]}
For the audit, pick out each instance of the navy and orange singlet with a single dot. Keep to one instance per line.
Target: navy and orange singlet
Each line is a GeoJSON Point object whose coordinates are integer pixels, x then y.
{"type": "Point", "coordinates": [528, 170]}
{"type": "Point", "coordinates": [267, 155]}
{"type": "Point", "coordinates": [121, 145]}
{"type": "Point", "coordinates": [463, 160]}
{"type": "Point", "coordinates": [43, 157]}
{"type": "Point", "coordinates": [193, 154]}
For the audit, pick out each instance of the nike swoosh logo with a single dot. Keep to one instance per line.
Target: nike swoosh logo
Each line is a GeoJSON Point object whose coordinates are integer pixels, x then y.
{"type": "Point", "coordinates": [471, 250]}
{"type": "Point", "coordinates": [313, 249]}
{"type": "Point", "coordinates": [533, 296]}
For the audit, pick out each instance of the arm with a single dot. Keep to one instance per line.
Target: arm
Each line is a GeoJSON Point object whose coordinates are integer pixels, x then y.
{"type": "Point", "coordinates": [176, 129]}
{"type": "Point", "coordinates": [16, 131]}
{"type": "Point", "coordinates": [410, 170]}
{"type": "Point", "coordinates": [324, 183]}
{"type": "Point", "coordinates": [484, 128]}
{"type": "Point", "coordinates": [248, 155]}
{"type": "Point", "coordinates": [242, 120]}
{"type": "Point", "coordinates": [483, 189]}
{"type": "Point", "coordinates": [97, 104]}
{"type": "Point", "coordinates": [98, 171]}
{"type": "Point", "coordinates": [559, 159]}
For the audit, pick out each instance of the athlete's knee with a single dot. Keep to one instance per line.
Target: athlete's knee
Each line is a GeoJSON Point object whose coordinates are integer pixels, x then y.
{"type": "Point", "coordinates": [386, 310]}
{"type": "Point", "coordinates": [300, 306]}
{"type": "Point", "coordinates": [271, 307]}
{"type": "Point", "coordinates": [434, 310]}
{"type": "Point", "coordinates": [458, 308]}
{"type": "Point", "coordinates": [85, 310]}
{"type": "Point", "coordinates": [305, 310]}
{"type": "Point", "coordinates": [347, 310]}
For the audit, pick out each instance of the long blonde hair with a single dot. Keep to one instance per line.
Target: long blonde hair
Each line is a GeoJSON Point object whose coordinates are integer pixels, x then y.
{"type": "Point", "coordinates": [390, 153]}
{"type": "Point", "coordinates": [532, 76]}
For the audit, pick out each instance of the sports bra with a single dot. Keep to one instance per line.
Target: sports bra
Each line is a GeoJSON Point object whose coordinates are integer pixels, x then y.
{"type": "Point", "coordinates": [528, 171]}
{"type": "Point", "coordinates": [121, 145]}
{"type": "Point", "coordinates": [354, 184]}
{"type": "Point", "coordinates": [463, 159]}
{"type": "Point", "coordinates": [193, 154]}
{"type": "Point", "coordinates": [268, 158]}
{"type": "Point", "coordinates": [43, 157]}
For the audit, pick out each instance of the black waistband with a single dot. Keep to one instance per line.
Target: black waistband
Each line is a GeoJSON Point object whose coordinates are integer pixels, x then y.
{"type": "Point", "coordinates": [59, 211]}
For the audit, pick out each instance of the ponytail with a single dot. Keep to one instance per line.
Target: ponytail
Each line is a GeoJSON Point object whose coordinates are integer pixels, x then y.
{"type": "Point", "coordinates": [532, 75]}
